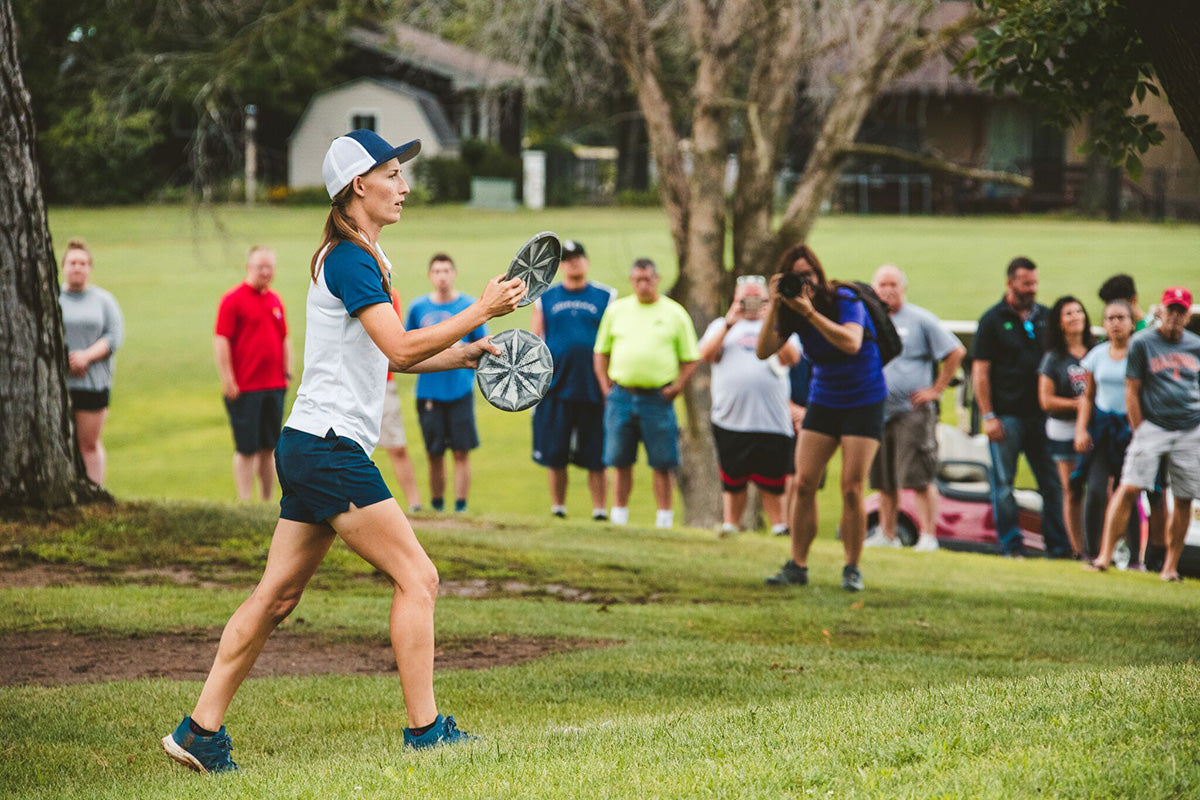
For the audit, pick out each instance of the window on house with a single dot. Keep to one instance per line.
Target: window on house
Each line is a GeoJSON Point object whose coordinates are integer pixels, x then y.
{"type": "Point", "coordinates": [362, 122]}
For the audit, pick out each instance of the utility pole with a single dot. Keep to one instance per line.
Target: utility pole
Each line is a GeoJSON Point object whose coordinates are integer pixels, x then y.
{"type": "Point", "coordinates": [251, 126]}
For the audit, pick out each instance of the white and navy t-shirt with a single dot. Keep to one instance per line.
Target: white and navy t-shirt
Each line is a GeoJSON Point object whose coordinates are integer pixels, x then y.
{"type": "Point", "coordinates": [345, 373]}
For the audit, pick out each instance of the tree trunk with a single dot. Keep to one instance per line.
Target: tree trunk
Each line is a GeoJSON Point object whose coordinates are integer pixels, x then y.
{"type": "Point", "coordinates": [1171, 30]}
{"type": "Point", "coordinates": [40, 465]}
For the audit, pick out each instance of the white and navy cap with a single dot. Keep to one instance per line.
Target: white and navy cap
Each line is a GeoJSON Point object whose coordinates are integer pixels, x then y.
{"type": "Point", "coordinates": [358, 152]}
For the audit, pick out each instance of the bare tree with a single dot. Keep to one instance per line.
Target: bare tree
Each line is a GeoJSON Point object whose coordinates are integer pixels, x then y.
{"type": "Point", "coordinates": [753, 60]}
{"type": "Point", "coordinates": [40, 465]}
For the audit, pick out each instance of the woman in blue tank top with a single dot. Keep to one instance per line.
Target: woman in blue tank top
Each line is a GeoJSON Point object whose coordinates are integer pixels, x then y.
{"type": "Point", "coordinates": [845, 405]}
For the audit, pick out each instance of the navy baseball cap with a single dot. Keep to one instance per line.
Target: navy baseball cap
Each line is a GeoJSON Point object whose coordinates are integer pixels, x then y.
{"type": "Point", "coordinates": [358, 152]}
{"type": "Point", "coordinates": [572, 248]}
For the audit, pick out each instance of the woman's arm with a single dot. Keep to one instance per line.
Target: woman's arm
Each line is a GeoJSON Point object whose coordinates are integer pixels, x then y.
{"type": "Point", "coordinates": [1052, 403]}
{"type": "Point", "coordinates": [769, 340]}
{"type": "Point", "coordinates": [405, 349]}
{"type": "Point", "coordinates": [847, 336]}
{"type": "Point", "coordinates": [459, 356]}
{"type": "Point", "coordinates": [789, 354]}
{"type": "Point", "coordinates": [1083, 420]}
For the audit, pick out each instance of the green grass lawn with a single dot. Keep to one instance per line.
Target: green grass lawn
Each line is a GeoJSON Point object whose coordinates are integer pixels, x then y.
{"type": "Point", "coordinates": [951, 676]}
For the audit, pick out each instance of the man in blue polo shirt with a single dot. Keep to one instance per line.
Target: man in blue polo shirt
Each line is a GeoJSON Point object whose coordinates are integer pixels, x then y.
{"type": "Point", "coordinates": [446, 400]}
{"type": "Point", "coordinates": [568, 424]}
{"type": "Point", "coordinates": [1009, 343]}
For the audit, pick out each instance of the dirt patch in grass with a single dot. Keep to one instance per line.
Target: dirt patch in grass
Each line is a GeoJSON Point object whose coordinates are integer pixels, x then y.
{"type": "Point", "coordinates": [41, 576]}
{"type": "Point", "coordinates": [53, 658]}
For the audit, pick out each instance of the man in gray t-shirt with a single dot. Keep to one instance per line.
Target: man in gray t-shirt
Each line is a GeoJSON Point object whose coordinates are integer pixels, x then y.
{"type": "Point", "coordinates": [907, 456]}
{"type": "Point", "coordinates": [751, 421]}
{"type": "Point", "coordinates": [1162, 398]}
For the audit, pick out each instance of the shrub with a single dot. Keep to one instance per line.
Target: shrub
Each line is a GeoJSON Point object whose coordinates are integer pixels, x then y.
{"type": "Point", "coordinates": [637, 198]}
{"type": "Point", "coordinates": [96, 155]}
{"type": "Point", "coordinates": [447, 179]}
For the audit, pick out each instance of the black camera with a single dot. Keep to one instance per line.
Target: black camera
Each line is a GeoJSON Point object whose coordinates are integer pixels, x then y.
{"type": "Point", "coordinates": [791, 284]}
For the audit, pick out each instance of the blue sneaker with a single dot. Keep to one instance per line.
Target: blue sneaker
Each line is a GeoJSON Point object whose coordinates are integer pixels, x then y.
{"type": "Point", "coordinates": [444, 731]}
{"type": "Point", "coordinates": [201, 753]}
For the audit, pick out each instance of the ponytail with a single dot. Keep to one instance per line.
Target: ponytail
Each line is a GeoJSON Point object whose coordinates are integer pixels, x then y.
{"type": "Point", "coordinates": [340, 228]}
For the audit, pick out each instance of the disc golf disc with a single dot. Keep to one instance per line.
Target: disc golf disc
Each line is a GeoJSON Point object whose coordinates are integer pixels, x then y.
{"type": "Point", "coordinates": [518, 377]}
{"type": "Point", "coordinates": [536, 263]}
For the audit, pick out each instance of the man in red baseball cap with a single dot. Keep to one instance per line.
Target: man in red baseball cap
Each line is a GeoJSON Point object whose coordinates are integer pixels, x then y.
{"type": "Point", "coordinates": [1162, 391]}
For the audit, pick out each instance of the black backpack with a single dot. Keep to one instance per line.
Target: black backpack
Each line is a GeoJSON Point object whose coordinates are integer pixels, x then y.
{"type": "Point", "coordinates": [886, 337]}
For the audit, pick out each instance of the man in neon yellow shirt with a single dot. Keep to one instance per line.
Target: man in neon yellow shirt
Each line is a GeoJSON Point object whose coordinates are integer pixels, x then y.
{"type": "Point", "coordinates": [645, 353]}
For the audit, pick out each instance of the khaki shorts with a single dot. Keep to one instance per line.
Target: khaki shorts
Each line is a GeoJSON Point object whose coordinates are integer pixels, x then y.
{"type": "Point", "coordinates": [907, 456]}
{"type": "Point", "coordinates": [391, 427]}
{"type": "Point", "coordinates": [1149, 444]}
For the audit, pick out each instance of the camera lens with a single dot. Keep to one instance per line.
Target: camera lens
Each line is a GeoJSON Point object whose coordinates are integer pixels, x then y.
{"type": "Point", "coordinates": [791, 284]}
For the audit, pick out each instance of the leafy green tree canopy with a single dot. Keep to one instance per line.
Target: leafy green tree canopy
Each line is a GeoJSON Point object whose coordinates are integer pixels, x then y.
{"type": "Point", "coordinates": [1080, 60]}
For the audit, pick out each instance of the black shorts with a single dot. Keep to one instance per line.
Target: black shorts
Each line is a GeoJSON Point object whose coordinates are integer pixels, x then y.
{"type": "Point", "coordinates": [766, 459]}
{"type": "Point", "coordinates": [448, 425]}
{"type": "Point", "coordinates": [256, 418]}
{"type": "Point", "coordinates": [865, 421]}
{"type": "Point", "coordinates": [568, 432]}
{"type": "Point", "coordinates": [88, 400]}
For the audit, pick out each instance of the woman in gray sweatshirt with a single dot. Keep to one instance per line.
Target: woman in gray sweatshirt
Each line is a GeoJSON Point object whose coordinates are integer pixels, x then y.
{"type": "Point", "coordinates": [94, 330]}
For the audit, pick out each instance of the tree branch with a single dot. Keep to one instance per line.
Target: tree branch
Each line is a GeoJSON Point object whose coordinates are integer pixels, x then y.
{"type": "Point", "coordinates": [932, 163]}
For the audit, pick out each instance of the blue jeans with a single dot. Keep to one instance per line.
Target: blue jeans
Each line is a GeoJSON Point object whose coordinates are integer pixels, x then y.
{"type": "Point", "coordinates": [645, 416]}
{"type": "Point", "coordinates": [1026, 434]}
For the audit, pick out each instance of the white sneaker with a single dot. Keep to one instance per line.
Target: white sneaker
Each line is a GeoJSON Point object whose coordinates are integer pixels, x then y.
{"type": "Point", "coordinates": [619, 516]}
{"type": "Point", "coordinates": [926, 543]}
{"type": "Point", "coordinates": [727, 529]}
{"type": "Point", "coordinates": [877, 539]}
{"type": "Point", "coordinates": [664, 518]}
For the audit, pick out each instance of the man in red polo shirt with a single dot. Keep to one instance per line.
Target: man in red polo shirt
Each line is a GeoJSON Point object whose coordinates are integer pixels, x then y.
{"type": "Point", "coordinates": [254, 360]}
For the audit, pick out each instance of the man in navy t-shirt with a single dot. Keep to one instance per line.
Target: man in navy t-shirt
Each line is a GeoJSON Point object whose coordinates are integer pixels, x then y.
{"type": "Point", "coordinates": [568, 424]}
{"type": "Point", "coordinates": [446, 400]}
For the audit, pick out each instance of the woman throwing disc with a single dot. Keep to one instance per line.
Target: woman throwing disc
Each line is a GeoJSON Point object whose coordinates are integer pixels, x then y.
{"type": "Point", "coordinates": [330, 485]}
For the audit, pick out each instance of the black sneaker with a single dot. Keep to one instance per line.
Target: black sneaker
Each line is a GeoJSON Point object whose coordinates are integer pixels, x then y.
{"type": "Point", "coordinates": [792, 574]}
{"type": "Point", "coordinates": [851, 578]}
{"type": "Point", "coordinates": [560, 513]}
{"type": "Point", "coordinates": [599, 516]}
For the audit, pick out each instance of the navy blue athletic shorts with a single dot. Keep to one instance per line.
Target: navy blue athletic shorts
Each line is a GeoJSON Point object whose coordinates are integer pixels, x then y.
{"type": "Point", "coordinates": [321, 476]}
{"type": "Point", "coordinates": [568, 432]}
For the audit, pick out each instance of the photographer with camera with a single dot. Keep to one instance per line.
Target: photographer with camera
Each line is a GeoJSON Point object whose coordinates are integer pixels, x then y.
{"type": "Point", "coordinates": [845, 401]}
{"type": "Point", "coordinates": [751, 423]}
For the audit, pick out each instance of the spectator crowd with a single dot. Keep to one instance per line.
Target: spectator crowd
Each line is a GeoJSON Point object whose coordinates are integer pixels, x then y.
{"type": "Point", "coordinates": [801, 366]}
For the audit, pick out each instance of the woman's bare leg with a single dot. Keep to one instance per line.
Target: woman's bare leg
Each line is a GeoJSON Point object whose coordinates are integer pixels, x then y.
{"type": "Point", "coordinates": [88, 426]}
{"type": "Point", "coordinates": [1072, 507]}
{"type": "Point", "coordinates": [381, 534]}
{"type": "Point", "coordinates": [297, 549]}
{"type": "Point", "coordinates": [857, 454]}
{"type": "Point", "coordinates": [815, 450]}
